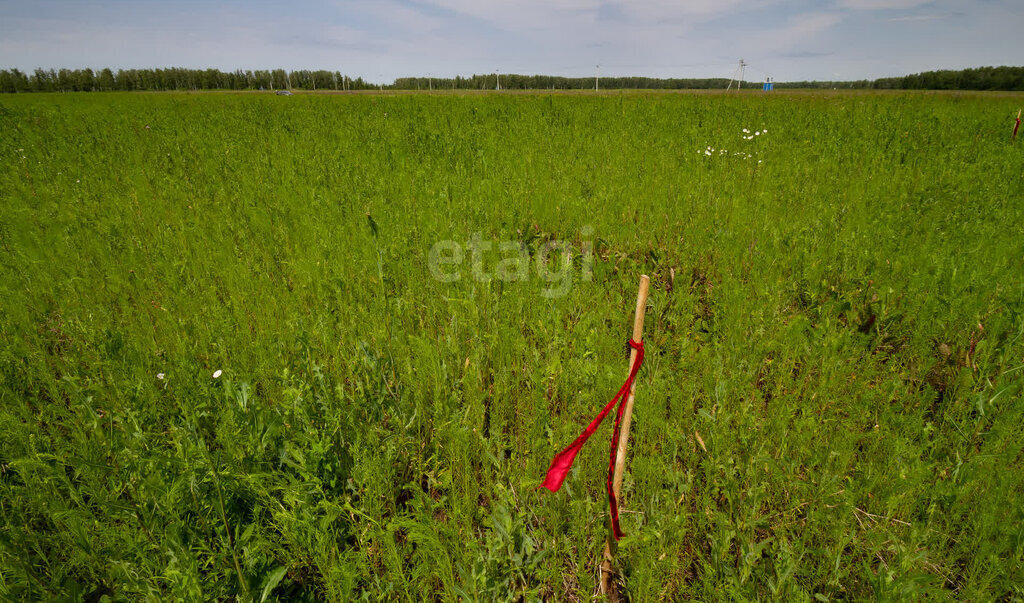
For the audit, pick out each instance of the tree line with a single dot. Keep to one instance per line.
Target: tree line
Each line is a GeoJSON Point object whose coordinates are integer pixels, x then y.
{"type": "Point", "coordinates": [88, 80]}
{"type": "Point", "coordinates": [514, 81]}
{"type": "Point", "coordinates": [980, 78]}
{"type": "Point", "coordinates": [176, 78]}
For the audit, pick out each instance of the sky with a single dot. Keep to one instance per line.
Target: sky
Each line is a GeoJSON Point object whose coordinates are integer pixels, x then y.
{"type": "Point", "coordinates": [380, 40]}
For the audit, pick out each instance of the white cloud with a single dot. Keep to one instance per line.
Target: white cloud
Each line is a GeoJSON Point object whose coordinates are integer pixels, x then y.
{"type": "Point", "coordinates": [919, 18]}
{"type": "Point", "coordinates": [549, 14]}
{"type": "Point", "coordinates": [806, 25]}
{"type": "Point", "coordinates": [881, 4]}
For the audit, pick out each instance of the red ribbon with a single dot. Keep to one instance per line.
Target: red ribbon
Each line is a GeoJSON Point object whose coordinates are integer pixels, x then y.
{"type": "Point", "coordinates": [562, 462]}
{"type": "Point", "coordinates": [1015, 127]}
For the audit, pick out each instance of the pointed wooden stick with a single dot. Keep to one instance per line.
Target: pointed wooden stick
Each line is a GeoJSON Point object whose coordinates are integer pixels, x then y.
{"type": "Point", "coordinates": [607, 575]}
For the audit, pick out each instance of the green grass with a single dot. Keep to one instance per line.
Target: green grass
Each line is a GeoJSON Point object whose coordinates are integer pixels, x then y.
{"type": "Point", "coordinates": [379, 434]}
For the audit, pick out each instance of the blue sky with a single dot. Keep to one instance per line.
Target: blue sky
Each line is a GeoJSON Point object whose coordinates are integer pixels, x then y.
{"type": "Point", "coordinates": [384, 39]}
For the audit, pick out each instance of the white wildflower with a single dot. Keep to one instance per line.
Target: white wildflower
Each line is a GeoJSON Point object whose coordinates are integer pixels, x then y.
{"type": "Point", "coordinates": [217, 373]}
{"type": "Point", "coordinates": [160, 376]}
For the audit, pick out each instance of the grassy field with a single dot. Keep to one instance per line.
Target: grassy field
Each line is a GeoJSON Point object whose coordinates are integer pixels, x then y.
{"type": "Point", "coordinates": [837, 309]}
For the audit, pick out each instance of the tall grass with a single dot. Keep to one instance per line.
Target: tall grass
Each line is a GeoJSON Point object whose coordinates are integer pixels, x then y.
{"type": "Point", "coordinates": [838, 313]}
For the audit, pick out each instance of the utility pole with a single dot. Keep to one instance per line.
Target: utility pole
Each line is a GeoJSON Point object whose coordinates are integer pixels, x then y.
{"type": "Point", "coordinates": [597, 76]}
{"type": "Point", "coordinates": [497, 80]}
{"type": "Point", "coordinates": [739, 70]}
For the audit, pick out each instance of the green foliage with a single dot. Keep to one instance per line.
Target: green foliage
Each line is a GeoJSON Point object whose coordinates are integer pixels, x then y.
{"type": "Point", "coordinates": [515, 81]}
{"type": "Point", "coordinates": [179, 78]}
{"type": "Point", "coordinates": [837, 310]}
{"type": "Point", "coordinates": [174, 78]}
{"type": "Point", "coordinates": [980, 78]}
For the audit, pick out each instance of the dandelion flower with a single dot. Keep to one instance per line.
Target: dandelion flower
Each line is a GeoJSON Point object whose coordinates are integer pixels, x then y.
{"type": "Point", "coordinates": [217, 373]}
{"type": "Point", "coordinates": [160, 376]}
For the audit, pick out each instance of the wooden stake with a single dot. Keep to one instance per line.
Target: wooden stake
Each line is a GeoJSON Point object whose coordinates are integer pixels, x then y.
{"type": "Point", "coordinates": [607, 575]}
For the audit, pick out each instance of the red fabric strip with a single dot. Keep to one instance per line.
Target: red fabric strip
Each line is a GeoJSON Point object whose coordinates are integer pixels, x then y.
{"type": "Point", "coordinates": [562, 462]}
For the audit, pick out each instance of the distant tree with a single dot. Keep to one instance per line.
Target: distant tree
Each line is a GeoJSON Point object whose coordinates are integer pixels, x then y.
{"type": "Point", "coordinates": [981, 78]}
{"type": "Point", "coordinates": [86, 80]}
{"type": "Point", "coordinates": [14, 81]}
{"type": "Point", "coordinates": [105, 80]}
{"type": "Point", "coordinates": [178, 78]}
{"type": "Point", "coordinates": [40, 81]}
{"type": "Point", "coordinates": [279, 79]}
